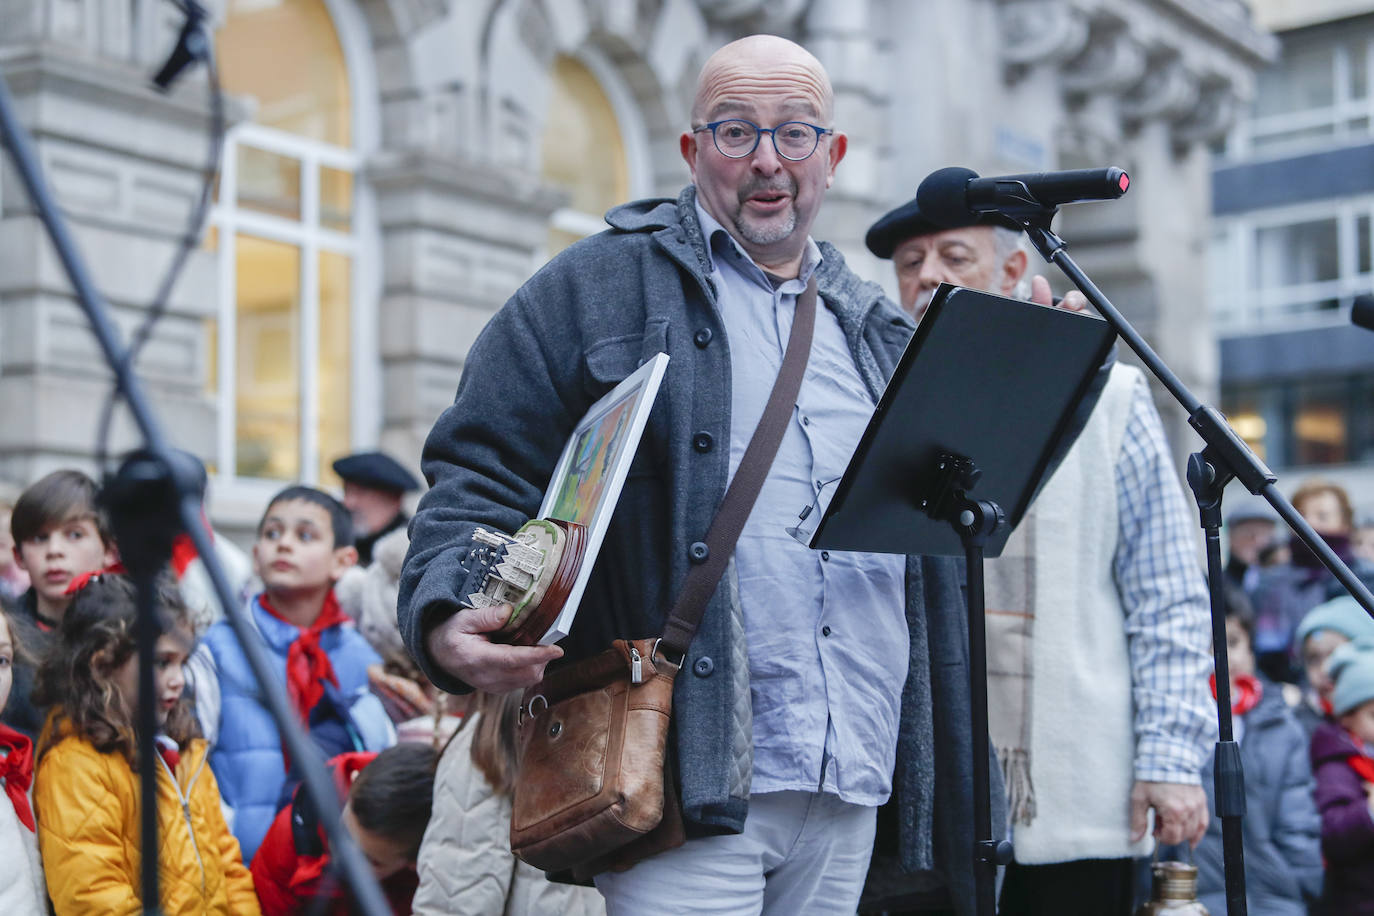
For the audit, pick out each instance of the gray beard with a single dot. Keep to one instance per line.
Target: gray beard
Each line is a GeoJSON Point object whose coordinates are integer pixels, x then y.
{"type": "Point", "coordinates": [768, 233]}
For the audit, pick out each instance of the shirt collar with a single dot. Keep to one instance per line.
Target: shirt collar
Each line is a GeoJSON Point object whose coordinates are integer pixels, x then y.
{"type": "Point", "coordinates": [720, 241]}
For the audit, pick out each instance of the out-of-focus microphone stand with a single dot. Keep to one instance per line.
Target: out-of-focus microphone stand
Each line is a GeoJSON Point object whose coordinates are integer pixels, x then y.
{"type": "Point", "coordinates": [1224, 457]}
{"type": "Point", "coordinates": [155, 495]}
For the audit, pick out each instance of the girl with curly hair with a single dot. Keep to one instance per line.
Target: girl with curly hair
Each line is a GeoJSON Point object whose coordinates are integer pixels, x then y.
{"type": "Point", "coordinates": [86, 791]}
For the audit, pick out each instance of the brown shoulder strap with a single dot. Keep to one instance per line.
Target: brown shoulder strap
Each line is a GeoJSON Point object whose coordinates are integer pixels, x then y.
{"type": "Point", "coordinates": [739, 499]}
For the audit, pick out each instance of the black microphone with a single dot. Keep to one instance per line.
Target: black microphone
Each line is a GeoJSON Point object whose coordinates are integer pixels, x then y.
{"type": "Point", "coordinates": [950, 196]}
{"type": "Point", "coordinates": [1362, 312]}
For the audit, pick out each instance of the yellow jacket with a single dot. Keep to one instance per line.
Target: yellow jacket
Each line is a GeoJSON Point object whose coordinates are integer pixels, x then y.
{"type": "Point", "coordinates": [87, 805]}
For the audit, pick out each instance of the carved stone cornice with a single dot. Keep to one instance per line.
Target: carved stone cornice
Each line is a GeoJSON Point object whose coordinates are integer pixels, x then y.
{"type": "Point", "coordinates": [760, 15]}
{"type": "Point", "coordinates": [1186, 62]}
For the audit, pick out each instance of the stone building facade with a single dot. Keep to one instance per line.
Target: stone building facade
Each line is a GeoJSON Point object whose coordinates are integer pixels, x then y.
{"type": "Point", "coordinates": [395, 169]}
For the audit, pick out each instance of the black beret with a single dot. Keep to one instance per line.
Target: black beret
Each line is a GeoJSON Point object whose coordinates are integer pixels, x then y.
{"type": "Point", "coordinates": [376, 470]}
{"type": "Point", "coordinates": [905, 222]}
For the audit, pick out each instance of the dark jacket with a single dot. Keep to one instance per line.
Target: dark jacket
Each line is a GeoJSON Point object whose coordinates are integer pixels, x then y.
{"type": "Point", "coordinates": [1282, 832]}
{"type": "Point", "coordinates": [1347, 824]}
{"type": "Point", "coordinates": [36, 637]}
{"type": "Point", "coordinates": [584, 322]}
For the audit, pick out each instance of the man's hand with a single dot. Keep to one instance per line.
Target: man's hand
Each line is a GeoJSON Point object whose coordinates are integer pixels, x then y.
{"type": "Point", "coordinates": [1041, 294]}
{"type": "Point", "coordinates": [461, 647]}
{"type": "Point", "coordinates": [1180, 812]}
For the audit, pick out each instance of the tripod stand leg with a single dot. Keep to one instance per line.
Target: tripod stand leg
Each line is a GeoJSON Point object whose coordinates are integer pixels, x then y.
{"type": "Point", "coordinates": [975, 521]}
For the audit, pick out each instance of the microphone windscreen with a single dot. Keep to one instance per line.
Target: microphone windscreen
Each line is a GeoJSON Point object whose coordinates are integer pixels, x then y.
{"type": "Point", "coordinates": [943, 196]}
{"type": "Point", "coordinates": [1362, 312]}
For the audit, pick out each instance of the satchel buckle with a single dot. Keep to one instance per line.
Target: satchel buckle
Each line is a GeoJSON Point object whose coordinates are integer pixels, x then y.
{"type": "Point", "coordinates": [528, 708]}
{"type": "Point", "coordinates": [653, 654]}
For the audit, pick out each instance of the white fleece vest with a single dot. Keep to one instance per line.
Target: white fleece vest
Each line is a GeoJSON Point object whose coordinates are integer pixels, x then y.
{"type": "Point", "coordinates": [1082, 751]}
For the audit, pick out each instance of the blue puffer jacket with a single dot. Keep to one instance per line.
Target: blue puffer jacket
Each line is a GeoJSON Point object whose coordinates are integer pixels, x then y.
{"type": "Point", "coordinates": [1282, 830]}
{"type": "Point", "coordinates": [247, 757]}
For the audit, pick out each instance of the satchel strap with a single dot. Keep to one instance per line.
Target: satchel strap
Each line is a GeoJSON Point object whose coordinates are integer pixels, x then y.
{"type": "Point", "coordinates": [702, 579]}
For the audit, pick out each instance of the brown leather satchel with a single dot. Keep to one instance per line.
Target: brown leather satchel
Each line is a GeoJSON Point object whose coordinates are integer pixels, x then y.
{"type": "Point", "coordinates": [595, 789]}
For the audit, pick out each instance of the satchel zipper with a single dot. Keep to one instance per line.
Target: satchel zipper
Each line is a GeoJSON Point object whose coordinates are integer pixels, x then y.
{"type": "Point", "coordinates": [636, 667]}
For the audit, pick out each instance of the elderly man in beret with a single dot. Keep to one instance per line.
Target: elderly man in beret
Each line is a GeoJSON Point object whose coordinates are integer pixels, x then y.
{"type": "Point", "coordinates": [1098, 638]}
{"type": "Point", "coordinates": [374, 485]}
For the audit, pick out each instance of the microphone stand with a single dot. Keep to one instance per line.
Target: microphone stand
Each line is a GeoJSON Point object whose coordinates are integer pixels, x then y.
{"type": "Point", "coordinates": [1224, 457]}
{"type": "Point", "coordinates": [154, 495]}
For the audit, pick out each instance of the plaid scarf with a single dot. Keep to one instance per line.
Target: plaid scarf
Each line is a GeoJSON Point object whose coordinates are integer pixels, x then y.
{"type": "Point", "coordinates": [1009, 585]}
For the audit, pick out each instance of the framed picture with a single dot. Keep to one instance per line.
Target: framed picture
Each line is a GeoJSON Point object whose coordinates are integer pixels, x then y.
{"type": "Point", "coordinates": [590, 473]}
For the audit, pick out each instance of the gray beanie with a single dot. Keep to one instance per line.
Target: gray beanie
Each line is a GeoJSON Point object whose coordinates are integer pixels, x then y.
{"type": "Point", "coordinates": [1343, 615]}
{"type": "Point", "coordinates": [1352, 668]}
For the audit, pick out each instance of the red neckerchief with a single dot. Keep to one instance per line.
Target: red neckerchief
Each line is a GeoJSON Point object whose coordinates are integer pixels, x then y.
{"type": "Point", "coordinates": [1361, 763]}
{"type": "Point", "coordinates": [184, 549]}
{"type": "Point", "coordinates": [17, 770]}
{"type": "Point", "coordinates": [1246, 691]}
{"type": "Point", "coordinates": [183, 553]}
{"type": "Point", "coordinates": [77, 584]}
{"type": "Point", "coordinates": [307, 664]}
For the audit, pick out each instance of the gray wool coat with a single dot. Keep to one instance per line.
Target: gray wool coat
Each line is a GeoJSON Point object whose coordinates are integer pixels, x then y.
{"type": "Point", "coordinates": [585, 321]}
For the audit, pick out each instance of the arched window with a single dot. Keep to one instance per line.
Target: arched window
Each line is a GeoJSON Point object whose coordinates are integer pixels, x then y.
{"type": "Point", "coordinates": [584, 151]}
{"type": "Point", "coordinates": [288, 244]}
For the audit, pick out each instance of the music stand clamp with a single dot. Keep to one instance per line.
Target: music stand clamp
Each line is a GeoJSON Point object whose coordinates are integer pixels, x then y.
{"type": "Point", "coordinates": [974, 520]}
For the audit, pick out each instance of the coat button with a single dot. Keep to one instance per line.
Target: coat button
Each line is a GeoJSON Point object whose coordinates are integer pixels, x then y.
{"type": "Point", "coordinates": [702, 338]}
{"type": "Point", "coordinates": [703, 666]}
{"type": "Point", "coordinates": [702, 442]}
{"type": "Point", "coordinates": [698, 552]}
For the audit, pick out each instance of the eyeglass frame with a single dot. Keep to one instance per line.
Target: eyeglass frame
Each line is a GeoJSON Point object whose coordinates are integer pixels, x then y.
{"type": "Point", "coordinates": [758, 137]}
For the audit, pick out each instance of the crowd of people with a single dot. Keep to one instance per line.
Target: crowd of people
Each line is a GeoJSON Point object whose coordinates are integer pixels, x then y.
{"type": "Point", "coordinates": [235, 834]}
{"type": "Point", "coordinates": [821, 749]}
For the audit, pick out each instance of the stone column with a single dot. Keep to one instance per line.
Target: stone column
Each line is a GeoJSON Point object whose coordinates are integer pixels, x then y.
{"type": "Point", "coordinates": [458, 238]}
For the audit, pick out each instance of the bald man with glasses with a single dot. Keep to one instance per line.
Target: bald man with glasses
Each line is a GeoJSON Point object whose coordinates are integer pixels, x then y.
{"type": "Point", "coordinates": [820, 686]}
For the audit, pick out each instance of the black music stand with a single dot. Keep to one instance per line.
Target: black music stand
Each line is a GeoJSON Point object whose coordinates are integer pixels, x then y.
{"type": "Point", "coordinates": [985, 394]}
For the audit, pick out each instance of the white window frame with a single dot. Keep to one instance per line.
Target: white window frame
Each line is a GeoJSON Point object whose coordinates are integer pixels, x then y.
{"type": "Point", "coordinates": [240, 499]}
{"type": "Point", "coordinates": [1240, 308]}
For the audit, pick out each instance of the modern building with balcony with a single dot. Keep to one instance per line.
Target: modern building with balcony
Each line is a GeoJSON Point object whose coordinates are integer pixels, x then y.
{"type": "Point", "coordinates": [1292, 204]}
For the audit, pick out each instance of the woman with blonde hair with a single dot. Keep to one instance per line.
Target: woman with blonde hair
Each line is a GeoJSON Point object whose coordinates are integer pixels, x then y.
{"type": "Point", "coordinates": [465, 863]}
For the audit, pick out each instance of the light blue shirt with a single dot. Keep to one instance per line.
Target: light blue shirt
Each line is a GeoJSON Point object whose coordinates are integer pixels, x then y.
{"type": "Point", "coordinates": [826, 631]}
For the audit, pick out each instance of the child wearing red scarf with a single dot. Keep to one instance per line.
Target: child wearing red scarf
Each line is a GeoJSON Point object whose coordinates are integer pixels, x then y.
{"type": "Point", "coordinates": [304, 544]}
{"type": "Point", "coordinates": [1343, 760]}
{"type": "Point", "coordinates": [387, 800]}
{"type": "Point", "coordinates": [22, 891]}
{"type": "Point", "coordinates": [1282, 855]}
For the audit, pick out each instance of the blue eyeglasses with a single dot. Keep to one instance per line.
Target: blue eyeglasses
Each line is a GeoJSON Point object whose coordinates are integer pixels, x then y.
{"type": "Point", "coordinates": [737, 138]}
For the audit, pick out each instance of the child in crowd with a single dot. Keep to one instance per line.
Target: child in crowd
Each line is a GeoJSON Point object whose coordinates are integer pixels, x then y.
{"type": "Point", "coordinates": [1325, 628]}
{"type": "Point", "coordinates": [59, 535]}
{"type": "Point", "coordinates": [86, 792]}
{"type": "Point", "coordinates": [304, 544]}
{"type": "Point", "coordinates": [1282, 830]}
{"type": "Point", "coordinates": [13, 580]}
{"type": "Point", "coordinates": [1343, 761]}
{"type": "Point", "coordinates": [465, 864]}
{"type": "Point", "coordinates": [22, 892]}
{"type": "Point", "coordinates": [387, 803]}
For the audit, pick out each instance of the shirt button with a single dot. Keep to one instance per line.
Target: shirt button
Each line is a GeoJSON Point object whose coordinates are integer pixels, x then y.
{"type": "Point", "coordinates": [819, 485]}
{"type": "Point", "coordinates": [698, 552]}
{"type": "Point", "coordinates": [703, 666]}
{"type": "Point", "coordinates": [825, 631]}
{"type": "Point", "coordinates": [702, 442]}
{"type": "Point", "coordinates": [702, 338]}
{"type": "Point", "coordinates": [825, 554]}
{"type": "Point", "coordinates": [806, 421]}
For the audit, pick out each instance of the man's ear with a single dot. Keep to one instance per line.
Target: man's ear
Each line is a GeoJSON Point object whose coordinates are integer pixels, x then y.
{"type": "Point", "coordinates": [344, 557]}
{"type": "Point", "coordinates": [839, 145]}
{"type": "Point", "coordinates": [687, 143]}
{"type": "Point", "coordinates": [1013, 269]}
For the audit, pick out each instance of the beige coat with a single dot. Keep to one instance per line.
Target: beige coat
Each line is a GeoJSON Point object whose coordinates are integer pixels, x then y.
{"type": "Point", "coordinates": [465, 864]}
